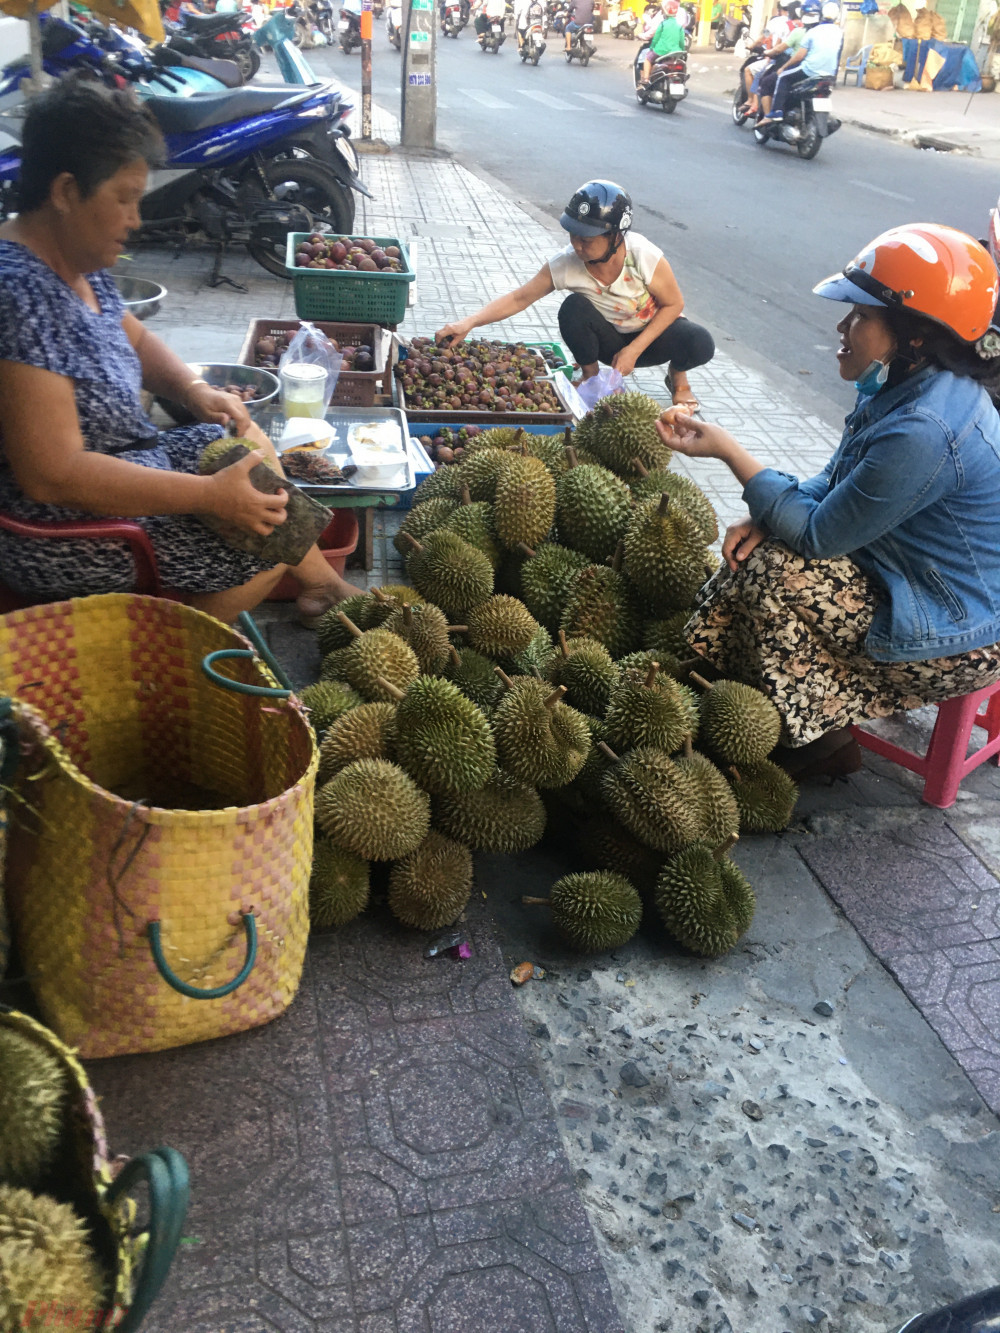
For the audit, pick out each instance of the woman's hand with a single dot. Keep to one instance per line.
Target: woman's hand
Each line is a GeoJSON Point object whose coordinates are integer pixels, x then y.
{"type": "Point", "coordinates": [454, 333]}
{"type": "Point", "coordinates": [233, 497]}
{"type": "Point", "coordinates": [624, 361]}
{"type": "Point", "coordinates": [740, 539]}
{"type": "Point", "coordinates": [216, 406]}
{"type": "Point", "coordinates": [693, 438]}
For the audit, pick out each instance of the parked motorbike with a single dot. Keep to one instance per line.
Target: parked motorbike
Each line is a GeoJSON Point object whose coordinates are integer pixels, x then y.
{"type": "Point", "coordinates": [532, 44]}
{"type": "Point", "coordinates": [733, 30]}
{"type": "Point", "coordinates": [668, 80]}
{"type": "Point", "coordinates": [807, 120]}
{"type": "Point", "coordinates": [494, 37]}
{"type": "Point", "coordinates": [972, 1314]}
{"type": "Point", "coordinates": [394, 24]}
{"type": "Point", "coordinates": [581, 45]}
{"type": "Point", "coordinates": [226, 36]}
{"type": "Point", "coordinates": [349, 29]}
{"type": "Point", "coordinates": [622, 23]}
{"type": "Point", "coordinates": [454, 18]}
{"type": "Point", "coordinates": [245, 166]}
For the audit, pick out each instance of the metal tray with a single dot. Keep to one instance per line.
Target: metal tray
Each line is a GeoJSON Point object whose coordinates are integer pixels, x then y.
{"type": "Point", "coordinates": [342, 418]}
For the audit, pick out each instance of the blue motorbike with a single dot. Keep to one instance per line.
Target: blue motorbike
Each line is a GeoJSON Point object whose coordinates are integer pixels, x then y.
{"type": "Point", "coordinates": [245, 165]}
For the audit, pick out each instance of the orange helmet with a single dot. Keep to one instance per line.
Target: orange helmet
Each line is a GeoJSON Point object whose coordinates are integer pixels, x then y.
{"type": "Point", "coordinates": [935, 271]}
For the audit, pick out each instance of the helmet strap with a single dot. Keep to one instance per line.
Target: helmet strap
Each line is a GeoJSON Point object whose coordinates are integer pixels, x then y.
{"type": "Point", "coordinates": [612, 248]}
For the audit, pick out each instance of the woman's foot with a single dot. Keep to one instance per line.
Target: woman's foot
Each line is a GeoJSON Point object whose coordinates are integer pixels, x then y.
{"type": "Point", "coordinates": [314, 602]}
{"type": "Point", "coordinates": [681, 393]}
{"type": "Point", "coordinates": [836, 754]}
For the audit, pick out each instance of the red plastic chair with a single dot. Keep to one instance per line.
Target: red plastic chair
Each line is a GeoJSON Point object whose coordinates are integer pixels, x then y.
{"type": "Point", "coordinates": [945, 764]}
{"type": "Point", "coordinates": [147, 575]}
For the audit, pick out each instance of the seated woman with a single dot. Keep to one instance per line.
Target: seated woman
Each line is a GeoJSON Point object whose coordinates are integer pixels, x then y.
{"type": "Point", "coordinates": [875, 586]}
{"type": "Point", "coordinates": [74, 439]}
{"type": "Point", "coordinates": [624, 306]}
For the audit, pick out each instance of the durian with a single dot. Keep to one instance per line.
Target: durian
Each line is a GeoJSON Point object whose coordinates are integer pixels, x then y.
{"type": "Point", "coordinates": [551, 450]}
{"type": "Point", "coordinates": [667, 635]}
{"type": "Point", "coordinates": [621, 427]}
{"type": "Point", "coordinates": [442, 739]}
{"type": "Point", "coordinates": [33, 1093]}
{"type": "Point", "coordinates": [704, 899]}
{"type": "Point", "coordinates": [425, 628]}
{"type": "Point", "coordinates": [47, 1268]}
{"type": "Point", "coordinates": [646, 710]}
{"type": "Point", "coordinates": [594, 909]}
{"type": "Point", "coordinates": [525, 504]}
{"type": "Point", "coordinates": [504, 817]}
{"type": "Point", "coordinates": [535, 660]}
{"type": "Point", "coordinates": [600, 606]}
{"type": "Point", "coordinates": [450, 573]}
{"type": "Point", "coordinates": [739, 725]}
{"type": "Point", "coordinates": [719, 813]}
{"type": "Point", "coordinates": [683, 491]}
{"type": "Point", "coordinates": [473, 522]}
{"type": "Point", "coordinates": [592, 510]}
{"type": "Point", "coordinates": [664, 555]}
{"type": "Point", "coordinates": [373, 809]}
{"type": "Point", "coordinates": [443, 482]}
{"type": "Point", "coordinates": [366, 732]}
{"type": "Point", "coordinates": [546, 578]}
{"type": "Point", "coordinates": [587, 783]}
{"type": "Point", "coordinates": [377, 654]}
{"type": "Point", "coordinates": [474, 676]}
{"type": "Point", "coordinates": [603, 844]}
{"type": "Point", "coordinates": [501, 627]}
{"type": "Point", "coordinates": [220, 447]}
{"type": "Point", "coordinates": [765, 796]}
{"type": "Point", "coordinates": [332, 633]}
{"type": "Point", "coordinates": [338, 887]}
{"type": "Point", "coordinates": [430, 888]}
{"type": "Point", "coordinates": [655, 799]}
{"type": "Point", "coordinates": [422, 519]}
{"type": "Point", "coordinates": [480, 471]}
{"type": "Point", "coordinates": [587, 670]}
{"type": "Point", "coordinates": [541, 742]}
{"type": "Point", "coordinates": [326, 701]}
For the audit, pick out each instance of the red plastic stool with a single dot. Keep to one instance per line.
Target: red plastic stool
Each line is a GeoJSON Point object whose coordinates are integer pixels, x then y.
{"type": "Point", "coordinates": [944, 765]}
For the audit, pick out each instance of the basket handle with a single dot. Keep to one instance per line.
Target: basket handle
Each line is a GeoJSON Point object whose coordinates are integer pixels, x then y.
{"type": "Point", "coordinates": [166, 1173]}
{"type": "Point", "coordinates": [214, 992]}
{"type": "Point", "coordinates": [262, 691]}
{"type": "Point", "coordinates": [10, 740]}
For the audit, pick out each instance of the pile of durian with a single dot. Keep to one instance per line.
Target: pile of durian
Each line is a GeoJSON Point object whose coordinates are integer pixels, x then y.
{"type": "Point", "coordinates": [535, 669]}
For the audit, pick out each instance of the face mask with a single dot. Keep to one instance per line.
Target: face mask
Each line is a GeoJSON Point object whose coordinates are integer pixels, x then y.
{"type": "Point", "coordinates": [872, 378]}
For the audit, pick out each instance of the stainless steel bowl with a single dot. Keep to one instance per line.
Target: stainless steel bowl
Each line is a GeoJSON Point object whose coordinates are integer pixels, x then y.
{"type": "Point", "coordinates": [221, 373]}
{"type": "Point", "coordinates": [142, 296]}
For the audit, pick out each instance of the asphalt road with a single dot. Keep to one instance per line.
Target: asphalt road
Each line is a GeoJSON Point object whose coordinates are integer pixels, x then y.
{"type": "Point", "coordinates": [747, 230]}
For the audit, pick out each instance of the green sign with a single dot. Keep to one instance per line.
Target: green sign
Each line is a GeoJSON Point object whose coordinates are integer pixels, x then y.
{"type": "Point", "coordinates": [421, 4]}
{"type": "Point", "coordinates": [420, 36]}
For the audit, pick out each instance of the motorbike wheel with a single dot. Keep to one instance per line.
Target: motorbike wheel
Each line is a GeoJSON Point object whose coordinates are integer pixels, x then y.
{"type": "Point", "coordinates": [810, 143]}
{"type": "Point", "coordinates": [247, 62]}
{"type": "Point", "coordinates": [720, 41]}
{"type": "Point", "coordinates": [669, 105]}
{"type": "Point", "coordinates": [535, 58]}
{"type": "Point", "coordinates": [739, 117]}
{"type": "Point", "coordinates": [312, 186]}
{"type": "Point", "coordinates": [760, 136]}
{"type": "Point", "coordinates": [585, 60]}
{"type": "Point", "coordinates": [569, 57]}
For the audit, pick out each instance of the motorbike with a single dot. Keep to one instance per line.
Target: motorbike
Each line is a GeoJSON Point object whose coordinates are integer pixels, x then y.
{"type": "Point", "coordinates": [244, 166]}
{"type": "Point", "coordinates": [454, 17]}
{"type": "Point", "coordinates": [394, 24]}
{"type": "Point", "coordinates": [349, 28]}
{"type": "Point", "coordinates": [742, 90]}
{"type": "Point", "coordinates": [556, 16]}
{"type": "Point", "coordinates": [532, 44]}
{"type": "Point", "coordinates": [733, 30]}
{"type": "Point", "coordinates": [622, 23]}
{"type": "Point", "coordinates": [494, 37]}
{"type": "Point", "coordinates": [668, 80]}
{"type": "Point", "coordinates": [687, 17]}
{"type": "Point", "coordinates": [581, 45]}
{"type": "Point", "coordinates": [227, 36]}
{"type": "Point", "coordinates": [807, 120]}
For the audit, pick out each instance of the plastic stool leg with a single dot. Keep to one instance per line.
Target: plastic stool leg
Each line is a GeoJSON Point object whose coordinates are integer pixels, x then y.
{"type": "Point", "coordinates": [945, 759]}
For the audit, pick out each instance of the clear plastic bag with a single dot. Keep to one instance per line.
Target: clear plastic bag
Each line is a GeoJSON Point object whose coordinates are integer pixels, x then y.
{"type": "Point", "coordinates": [301, 388]}
{"type": "Point", "coordinates": [600, 385]}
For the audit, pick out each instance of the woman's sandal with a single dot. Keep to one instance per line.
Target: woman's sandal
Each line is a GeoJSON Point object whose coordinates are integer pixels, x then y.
{"type": "Point", "coordinates": [689, 402]}
{"type": "Point", "coordinates": [835, 755]}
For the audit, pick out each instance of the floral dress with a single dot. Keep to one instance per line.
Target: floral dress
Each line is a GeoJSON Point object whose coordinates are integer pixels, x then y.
{"type": "Point", "coordinates": [44, 323]}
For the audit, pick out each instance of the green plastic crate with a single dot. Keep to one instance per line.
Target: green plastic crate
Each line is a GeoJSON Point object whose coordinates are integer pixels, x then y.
{"type": "Point", "coordinates": [339, 294]}
{"type": "Point", "coordinates": [565, 361]}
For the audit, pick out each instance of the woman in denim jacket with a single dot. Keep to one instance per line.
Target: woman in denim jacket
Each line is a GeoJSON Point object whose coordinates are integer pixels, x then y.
{"type": "Point", "coordinates": [875, 586]}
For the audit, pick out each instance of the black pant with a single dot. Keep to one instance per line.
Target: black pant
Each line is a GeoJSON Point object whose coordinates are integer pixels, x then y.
{"type": "Point", "coordinates": [590, 337]}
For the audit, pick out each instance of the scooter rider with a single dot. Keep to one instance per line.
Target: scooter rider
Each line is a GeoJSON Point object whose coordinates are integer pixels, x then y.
{"type": "Point", "coordinates": [490, 12]}
{"type": "Point", "coordinates": [817, 58]}
{"type": "Point", "coordinates": [668, 38]}
{"type": "Point", "coordinates": [624, 305]}
{"type": "Point", "coordinates": [580, 12]}
{"type": "Point", "coordinates": [792, 43]}
{"type": "Point", "coordinates": [526, 12]}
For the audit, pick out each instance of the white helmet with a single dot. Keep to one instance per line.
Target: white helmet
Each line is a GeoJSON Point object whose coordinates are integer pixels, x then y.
{"type": "Point", "coordinates": [830, 13]}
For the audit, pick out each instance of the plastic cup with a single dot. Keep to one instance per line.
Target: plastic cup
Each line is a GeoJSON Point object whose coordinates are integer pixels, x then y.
{"type": "Point", "coordinates": [303, 390]}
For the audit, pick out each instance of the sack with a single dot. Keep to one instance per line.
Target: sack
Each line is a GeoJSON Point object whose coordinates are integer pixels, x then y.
{"type": "Point", "coordinates": [884, 53]}
{"type": "Point", "coordinates": [310, 347]}
{"type": "Point", "coordinates": [160, 839]}
{"type": "Point", "coordinates": [878, 77]}
{"type": "Point", "coordinates": [923, 24]}
{"type": "Point", "coordinates": [902, 20]}
{"type": "Point", "coordinates": [605, 382]}
{"type": "Point", "coordinates": [939, 28]}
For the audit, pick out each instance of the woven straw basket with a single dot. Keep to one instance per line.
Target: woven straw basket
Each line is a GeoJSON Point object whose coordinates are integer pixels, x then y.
{"type": "Point", "coordinates": [145, 920]}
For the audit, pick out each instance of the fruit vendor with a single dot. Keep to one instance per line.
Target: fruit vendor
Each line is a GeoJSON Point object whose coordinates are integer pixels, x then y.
{"type": "Point", "coordinates": [624, 306]}
{"type": "Point", "coordinates": [75, 442]}
{"type": "Point", "coordinates": [875, 586]}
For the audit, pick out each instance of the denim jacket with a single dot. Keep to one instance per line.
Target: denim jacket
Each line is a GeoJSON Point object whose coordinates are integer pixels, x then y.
{"type": "Point", "coordinates": [912, 494]}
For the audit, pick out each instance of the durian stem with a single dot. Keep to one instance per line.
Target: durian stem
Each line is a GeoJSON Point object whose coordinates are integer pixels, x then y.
{"type": "Point", "coordinates": [407, 614]}
{"type": "Point", "coordinates": [411, 541]}
{"type": "Point", "coordinates": [563, 644]}
{"type": "Point", "coordinates": [453, 653]}
{"type": "Point", "coordinates": [605, 748]}
{"type": "Point", "coordinates": [534, 902]}
{"type": "Point", "coordinates": [518, 436]}
{"type": "Point", "coordinates": [664, 504]}
{"type": "Point", "coordinates": [458, 629]}
{"type": "Point", "coordinates": [735, 772]}
{"type": "Point", "coordinates": [724, 847]}
{"type": "Point", "coordinates": [525, 549]}
{"type": "Point", "coordinates": [379, 595]}
{"type": "Point", "coordinates": [508, 683]}
{"type": "Point", "coordinates": [348, 623]}
{"type": "Point", "coordinates": [392, 690]}
{"type": "Point", "coordinates": [619, 555]}
{"type": "Point", "coordinates": [555, 696]}
{"type": "Point", "coordinates": [466, 494]}
{"type": "Point", "coordinates": [651, 674]}
{"type": "Point", "coordinates": [567, 437]}
{"type": "Point", "coordinates": [571, 453]}
{"type": "Point", "coordinates": [688, 747]}
{"type": "Point", "coordinates": [643, 471]}
{"type": "Point", "coordinates": [700, 680]}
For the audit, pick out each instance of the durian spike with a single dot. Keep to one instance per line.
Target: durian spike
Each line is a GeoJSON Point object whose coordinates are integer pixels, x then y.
{"type": "Point", "coordinates": [407, 614]}
{"type": "Point", "coordinates": [458, 629]}
{"type": "Point", "coordinates": [642, 470]}
{"type": "Point", "coordinates": [664, 504]}
{"type": "Point", "coordinates": [508, 683]}
{"type": "Point", "coordinates": [529, 901]}
{"type": "Point", "coordinates": [348, 623]}
{"type": "Point", "coordinates": [724, 847]}
{"type": "Point", "coordinates": [411, 541]}
{"type": "Point", "coordinates": [700, 680]}
{"type": "Point", "coordinates": [555, 697]}
{"type": "Point", "coordinates": [619, 555]}
{"type": "Point", "coordinates": [525, 549]}
{"type": "Point", "coordinates": [393, 690]}
{"type": "Point", "coordinates": [650, 680]}
{"type": "Point", "coordinates": [605, 748]}
{"type": "Point", "coordinates": [454, 655]}
{"type": "Point", "coordinates": [563, 644]}
{"type": "Point", "coordinates": [688, 747]}
{"type": "Point", "coordinates": [571, 454]}
{"type": "Point", "coordinates": [466, 494]}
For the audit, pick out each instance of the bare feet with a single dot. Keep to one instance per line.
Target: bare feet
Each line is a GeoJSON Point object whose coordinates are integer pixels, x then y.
{"type": "Point", "coordinates": [314, 601]}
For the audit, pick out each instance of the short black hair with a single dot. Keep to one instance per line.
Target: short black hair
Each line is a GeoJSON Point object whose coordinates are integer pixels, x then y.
{"type": "Point", "coordinates": [940, 347]}
{"type": "Point", "coordinates": [90, 131]}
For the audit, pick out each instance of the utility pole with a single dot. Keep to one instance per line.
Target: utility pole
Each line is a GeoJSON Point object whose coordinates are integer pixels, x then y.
{"type": "Point", "coordinates": [419, 85]}
{"type": "Point", "coordinates": [366, 69]}
{"type": "Point", "coordinates": [705, 23]}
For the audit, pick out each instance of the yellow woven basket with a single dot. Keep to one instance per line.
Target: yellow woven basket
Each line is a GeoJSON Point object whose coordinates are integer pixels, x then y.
{"type": "Point", "coordinates": [161, 824]}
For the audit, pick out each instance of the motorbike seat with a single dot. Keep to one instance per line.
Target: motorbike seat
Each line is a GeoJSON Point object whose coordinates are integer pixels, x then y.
{"type": "Point", "coordinates": [207, 24]}
{"type": "Point", "coordinates": [184, 115]}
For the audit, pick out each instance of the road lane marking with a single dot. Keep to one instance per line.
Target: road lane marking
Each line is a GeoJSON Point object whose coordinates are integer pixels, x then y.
{"type": "Point", "coordinates": [877, 189]}
{"type": "Point", "coordinates": [487, 100]}
{"type": "Point", "coordinates": [546, 99]}
{"type": "Point", "coordinates": [608, 103]}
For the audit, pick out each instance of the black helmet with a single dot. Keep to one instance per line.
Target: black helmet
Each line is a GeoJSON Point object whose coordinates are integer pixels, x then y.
{"type": "Point", "coordinates": [599, 208]}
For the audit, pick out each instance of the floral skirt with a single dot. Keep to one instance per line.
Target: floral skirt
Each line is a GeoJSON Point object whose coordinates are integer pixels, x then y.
{"type": "Point", "coordinates": [796, 628]}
